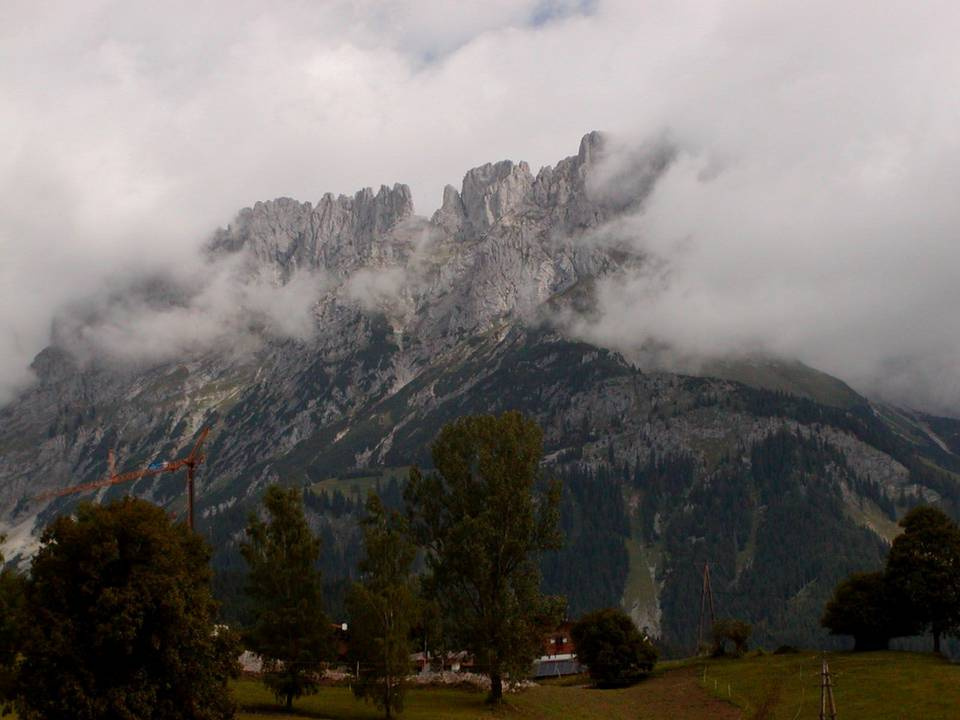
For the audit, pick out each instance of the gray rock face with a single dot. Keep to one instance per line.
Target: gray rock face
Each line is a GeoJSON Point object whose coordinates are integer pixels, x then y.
{"type": "Point", "coordinates": [337, 234]}
{"type": "Point", "coordinates": [402, 291]}
{"type": "Point", "coordinates": [417, 321]}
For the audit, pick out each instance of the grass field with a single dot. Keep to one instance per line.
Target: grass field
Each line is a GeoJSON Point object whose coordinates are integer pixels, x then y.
{"type": "Point", "coordinates": [868, 686]}
{"type": "Point", "coordinates": [360, 485]}
{"type": "Point", "coordinates": [670, 696]}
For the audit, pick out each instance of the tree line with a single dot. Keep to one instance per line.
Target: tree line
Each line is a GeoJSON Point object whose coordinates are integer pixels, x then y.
{"type": "Point", "coordinates": [917, 592]}
{"type": "Point", "coordinates": [116, 618]}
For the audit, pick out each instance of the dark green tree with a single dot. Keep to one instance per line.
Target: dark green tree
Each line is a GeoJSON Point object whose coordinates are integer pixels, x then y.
{"type": "Point", "coordinates": [923, 573]}
{"type": "Point", "coordinates": [860, 607]}
{"type": "Point", "coordinates": [484, 524]}
{"type": "Point", "coordinates": [613, 649]}
{"type": "Point", "coordinates": [118, 621]}
{"type": "Point", "coordinates": [730, 630]}
{"type": "Point", "coordinates": [290, 631]}
{"type": "Point", "coordinates": [11, 634]}
{"type": "Point", "coordinates": [383, 609]}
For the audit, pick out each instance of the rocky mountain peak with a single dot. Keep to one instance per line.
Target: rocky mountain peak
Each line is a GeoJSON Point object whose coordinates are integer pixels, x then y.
{"type": "Point", "coordinates": [493, 191]}
{"type": "Point", "coordinates": [336, 234]}
{"type": "Point", "coordinates": [341, 233]}
{"type": "Point", "coordinates": [591, 147]}
{"type": "Point", "coordinates": [417, 322]}
{"type": "Point", "coordinates": [452, 213]}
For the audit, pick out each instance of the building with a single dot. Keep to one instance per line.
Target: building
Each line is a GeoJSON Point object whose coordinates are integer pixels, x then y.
{"type": "Point", "coordinates": [559, 654]}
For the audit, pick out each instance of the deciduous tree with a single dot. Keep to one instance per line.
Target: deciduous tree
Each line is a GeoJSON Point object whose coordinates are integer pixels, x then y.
{"type": "Point", "coordinates": [119, 621]}
{"type": "Point", "coordinates": [860, 607]}
{"type": "Point", "coordinates": [483, 522]}
{"type": "Point", "coordinates": [11, 631]}
{"type": "Point", "coordinates": [613, 649]}
{"type": "Point", "coordinates": [923, 572]}
{"type": "Point", "coordinates": [383, 609]}
{"type": "Point", "coordinates": [736, 631]}
{"type": "Point", "coordinates": [290, 630]}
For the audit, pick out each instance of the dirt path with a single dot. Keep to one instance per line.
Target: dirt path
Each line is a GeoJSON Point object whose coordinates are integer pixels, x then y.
{"type": "Point", "coordinates": [675, 695]}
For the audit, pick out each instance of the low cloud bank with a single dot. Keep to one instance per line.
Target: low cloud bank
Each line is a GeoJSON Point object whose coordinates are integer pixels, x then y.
{"type": "Point", "coordinates": [223, 305]}
{"type": "Point", "coordinates": [809, 211]}
{"type": "Point", "coordinates": [842, 260]}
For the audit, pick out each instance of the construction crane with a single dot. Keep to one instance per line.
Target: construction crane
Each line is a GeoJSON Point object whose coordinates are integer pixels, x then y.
{"type": "Point", "coordinates": [189, 462]}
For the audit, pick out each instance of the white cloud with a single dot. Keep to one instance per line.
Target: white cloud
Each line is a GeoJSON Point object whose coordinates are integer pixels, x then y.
{"type": "Point", "coordinates": [830, 131]}
{"type": "Point", "coordinates": [218, 305]}
{"type": "Point", "coordinates": [375, 288]}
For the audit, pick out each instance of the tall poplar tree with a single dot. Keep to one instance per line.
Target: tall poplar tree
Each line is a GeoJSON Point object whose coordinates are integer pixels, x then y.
{"type": "Point", "coordinates": [290, 630]}
{"type": "Point", "coordinates": [383, 609]}
{"type": "Point", "coordinates": [483, 521]}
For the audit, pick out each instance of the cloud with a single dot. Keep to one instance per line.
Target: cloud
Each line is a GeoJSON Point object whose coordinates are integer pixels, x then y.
{"type": "Point", "coordinates": [808, 210]}
{"type": "Point", "coordinates": [376, 288]}
{"type": "Point", "coordinates": [220, 305]}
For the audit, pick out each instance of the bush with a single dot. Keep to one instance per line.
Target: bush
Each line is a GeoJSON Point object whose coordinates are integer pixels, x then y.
{"type": "Point", "coordinates": [860, 607]}
{"type": "Point", "coordinates": [786, 650]}
{"type": "Point", "coordinates": [735, 631]}
{"type": "Point", "coordinates": [614, 650]}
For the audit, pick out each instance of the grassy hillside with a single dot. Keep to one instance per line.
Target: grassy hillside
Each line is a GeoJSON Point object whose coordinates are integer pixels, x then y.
{"type": "Point", "coordinates": [867, 686]}
{"type": "Point", "coordinates": [669, 696]}
{"type": "Point", "coordinates": [784, 376]}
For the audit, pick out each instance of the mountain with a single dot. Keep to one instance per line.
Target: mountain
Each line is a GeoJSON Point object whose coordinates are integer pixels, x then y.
{"type": "Point", "coordinates": [781, 477]}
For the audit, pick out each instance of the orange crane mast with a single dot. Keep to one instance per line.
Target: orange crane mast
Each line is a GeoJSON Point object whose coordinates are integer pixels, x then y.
{"type": "Point", "coordinates": [189, 462]}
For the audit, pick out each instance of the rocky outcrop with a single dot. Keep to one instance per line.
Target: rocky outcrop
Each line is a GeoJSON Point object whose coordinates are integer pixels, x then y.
{"type": "Point", "coordinates": [337, 234]}
{"type": "Point", "coordinates": [418, 321]}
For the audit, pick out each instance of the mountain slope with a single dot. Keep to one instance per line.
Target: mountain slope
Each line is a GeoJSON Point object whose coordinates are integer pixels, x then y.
{"type": "Point", "coordinates": [415, 321]}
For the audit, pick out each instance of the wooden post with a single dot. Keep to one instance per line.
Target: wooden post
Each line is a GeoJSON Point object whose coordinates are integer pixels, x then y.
{"type": "Point", "coordinates": [833, 705]}
{"type": "Point", "coordinates": [828, 708]}
{"type": "Point", "coordinates": [190, 495]}
{"type": "Point", "coordinates": [706, 600]}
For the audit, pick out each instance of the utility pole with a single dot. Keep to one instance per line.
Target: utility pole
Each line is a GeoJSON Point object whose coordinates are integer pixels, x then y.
{"type": "Point", "coordinates": [828, 708]}
{"type": "Point", "coordinates": [706, 601]}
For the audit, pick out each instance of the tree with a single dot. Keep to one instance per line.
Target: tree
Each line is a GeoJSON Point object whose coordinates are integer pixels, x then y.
{"type": "Point", "coordinates": [383, 609]}
{"type": "Point", "coordinates": [735, 631]}
{"type": "Point", "coordinates": [483, 523]}
{"type": "Point", "coordinates": [119, 621]}
{"type": "Point", "coordinates": [613, 649]}
{"type": "Point", "coordinates": [290, 630]}
{"type": "Point", "coordinates": [923, 572]}
{"type": "Point", "coordinates": [860, 607]}
{"type": "Point", "coordinates": [12, 585]}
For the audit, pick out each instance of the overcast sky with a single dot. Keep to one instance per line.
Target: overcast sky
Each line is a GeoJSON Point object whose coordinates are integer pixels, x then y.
{"type": "Point", "coordinates": [812, 211]}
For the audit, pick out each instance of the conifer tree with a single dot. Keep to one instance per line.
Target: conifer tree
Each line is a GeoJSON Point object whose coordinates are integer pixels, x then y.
{"type": "Point", "coordinates": [484, 524]}
{"type": "Point", "coordinates": [290, 630]}
{"type": "Point", "coordinates": [383, 609]}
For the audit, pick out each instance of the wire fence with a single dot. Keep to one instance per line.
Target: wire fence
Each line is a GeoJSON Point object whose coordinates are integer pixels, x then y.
{"type": "Point", "coordinates": [799, 689]}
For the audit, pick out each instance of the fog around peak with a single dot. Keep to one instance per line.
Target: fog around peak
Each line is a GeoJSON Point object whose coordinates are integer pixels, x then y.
{"type": "Point", "coordinates": [807, 211]}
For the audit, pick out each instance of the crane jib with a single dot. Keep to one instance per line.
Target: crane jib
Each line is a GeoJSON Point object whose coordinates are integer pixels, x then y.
{"type": "Point", "coordinates": [154, 468]}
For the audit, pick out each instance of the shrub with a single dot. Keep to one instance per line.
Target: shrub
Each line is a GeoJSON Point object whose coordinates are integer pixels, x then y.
{"type": "Point", "coordinates": [860, 607]}
{"type": "Point", "coordinates": [612, 647]}
{"type": "Point", "coordinates": [735, 631]}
